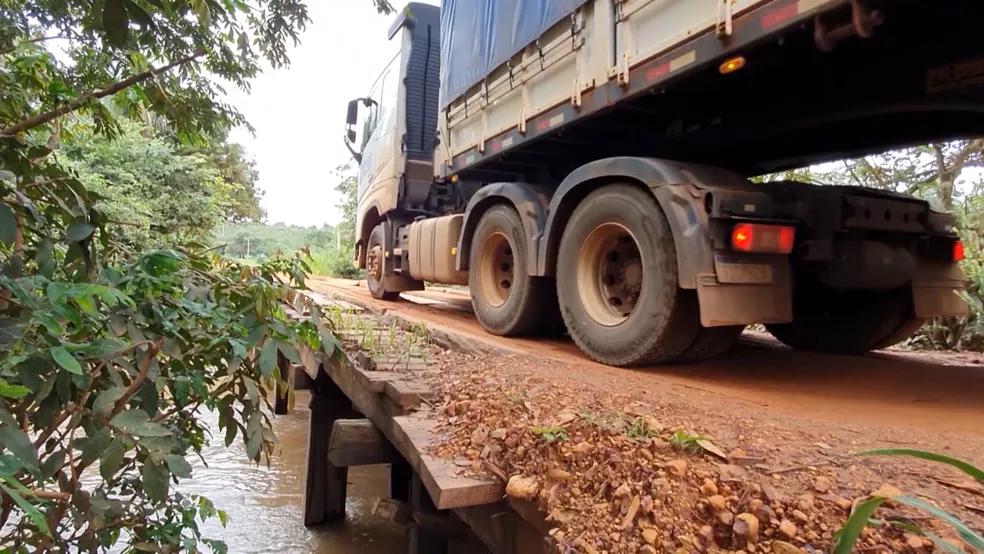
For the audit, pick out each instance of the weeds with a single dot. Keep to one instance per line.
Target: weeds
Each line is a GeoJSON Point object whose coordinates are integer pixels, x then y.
{"type": "Point", "coordinates": [688, 442]}
{"type": "Point", "coordinates": [861, 516]}
{"type": "Point", "coordinates": [550, 434]}
{"type": "Point", "coordinates": [641, 428]}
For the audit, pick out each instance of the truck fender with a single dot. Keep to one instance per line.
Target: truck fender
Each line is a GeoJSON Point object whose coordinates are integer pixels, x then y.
{"type": "Point", "coordinates": [529, 200]}
{"type": "Point", "coordinates": [671, 184]}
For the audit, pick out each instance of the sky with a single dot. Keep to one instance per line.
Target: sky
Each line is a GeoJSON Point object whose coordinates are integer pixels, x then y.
{"type": "Point", "coordinates": [298, 112]}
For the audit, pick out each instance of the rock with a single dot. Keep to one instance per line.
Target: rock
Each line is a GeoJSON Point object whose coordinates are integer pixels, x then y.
{"type": "Point", "coordinates": [622, 490]}
{"type": "Point", "coordinates": [582, 448]}
{"type": "Point", "coordinates": [717, 503]}
{"type": "Point", "coordinates": [522, 488]}
{"type": "Point", "coordinates": [746, 527]}
{"type": "Point", "coordinates": [805, 502]}
{"type": "Point", "coordinates": [822, 483]}
{"type": "Point", "coordinates": [585, 546]}
{"type": "Point", "coordinates": [646, 549]}
{"type": "Point", "coordinates": [709, 487]}
{"type": "Point", "coordinates": [887, 491]}
{"type": "Point", "coordinates": [677, 468]}
{"type": "Point", "coordinates": [726, 518]}
{"type": "Point", "coordinates": [557, 474]}
{"type": "Point", "coordinates": [631, 513]}
{"type": "Point", "coordinates": [787, 528]}
{"type": "Point", "coordinates": [801, 516]}
{"type": "Point", "coordinates": [650, 536]}
{"type": "Point", "coordinates": [646, 504]}
{"type": "Point", "coordinates": [913, 541]}
{"type": "Point", "coordinates": [731, 473]}
{"type": "Point", "coordinates": [843, 503]}
{"type": "Point", "coordinates": [781, 547]}
{"type": "Point", "coordinates": [706, 533]}
{"type": "Point", "coordinates": [498, 434]}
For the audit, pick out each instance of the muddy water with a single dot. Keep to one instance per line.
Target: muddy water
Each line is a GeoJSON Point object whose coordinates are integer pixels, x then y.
{"type": "Point", "coordinates": [265, 504]}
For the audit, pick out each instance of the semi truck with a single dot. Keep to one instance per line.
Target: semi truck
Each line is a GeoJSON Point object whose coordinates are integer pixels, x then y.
{"type": "Point", "coordinates": [590, 167]}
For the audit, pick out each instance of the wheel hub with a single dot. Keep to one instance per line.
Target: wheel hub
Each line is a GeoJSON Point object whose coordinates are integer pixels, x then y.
{"type": "Point", "coordinates": [609, 274]}
{"type": "Point", "coordinates": [374, 263]}
{"type": "Point", "coordinates": [496, 269]}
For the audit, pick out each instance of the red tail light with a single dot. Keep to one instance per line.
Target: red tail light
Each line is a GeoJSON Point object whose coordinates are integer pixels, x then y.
{"type": "Point", "coordinates": [767, 239]}
{"type": "Point", "coordinates": [958, 251]}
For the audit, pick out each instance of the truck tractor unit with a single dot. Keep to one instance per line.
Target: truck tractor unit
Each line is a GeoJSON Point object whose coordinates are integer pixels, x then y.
{"type": "Point", "coordinates": [589, 167]}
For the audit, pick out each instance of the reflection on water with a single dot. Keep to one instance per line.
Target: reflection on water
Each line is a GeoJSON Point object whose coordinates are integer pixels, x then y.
{"type": "Point", "coordinates": [265, 504]}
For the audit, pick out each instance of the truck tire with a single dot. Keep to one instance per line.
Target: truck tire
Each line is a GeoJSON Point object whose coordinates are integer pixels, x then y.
{"type": "Point", "coordinates": [852, 322]}
{"type": "Point", "coordinates": [375, 252]}
{"type": "Point", "coordinates": [505, 298]}
{"type": "Point", "coordinates": [711, 342]}
{"type": "Point", "coordinates": [617, 280]}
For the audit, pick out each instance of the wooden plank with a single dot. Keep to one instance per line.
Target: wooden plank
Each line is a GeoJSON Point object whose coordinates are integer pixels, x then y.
{"type": "Point", "coordinates": [375, 381]}
{"type": "Point", "coordinates": [299, 378]}
{"type": "Point", "coordinates": [406, 393]}
{"type": "Point", "coordinates": [280, 402]}
{"type": "Point", "coordinates": [357, 442]}
{"type": "Point", "coordinates": [447, 488]}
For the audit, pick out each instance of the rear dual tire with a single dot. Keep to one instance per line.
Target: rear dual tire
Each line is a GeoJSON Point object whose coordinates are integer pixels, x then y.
{"type": "Point", "coordinates": [617, 281]}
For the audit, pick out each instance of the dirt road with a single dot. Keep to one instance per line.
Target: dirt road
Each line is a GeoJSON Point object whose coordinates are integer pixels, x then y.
{"type": "Point", "coordinates": [922, 394]}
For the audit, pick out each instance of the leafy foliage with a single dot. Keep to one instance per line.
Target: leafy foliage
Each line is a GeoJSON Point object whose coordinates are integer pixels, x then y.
{"type": "Point", "coordinates": [550, 434]}
{"type": "Point", "coordinates": [108, 353]}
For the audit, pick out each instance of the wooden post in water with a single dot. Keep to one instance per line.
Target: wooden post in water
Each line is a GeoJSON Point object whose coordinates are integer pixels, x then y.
{"type": "Point", "coordinates": [280, 404]}
{"type": "Point", "coordinates": [324, 486]}
{"type": "Point", "coordinates": [423, 540]}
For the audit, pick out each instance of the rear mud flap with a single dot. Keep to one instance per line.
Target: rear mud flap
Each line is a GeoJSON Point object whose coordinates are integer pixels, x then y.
{"type": "Point", "coordinates": [934, 290]}
{"type": "Point", "coordinates": [741, 293]}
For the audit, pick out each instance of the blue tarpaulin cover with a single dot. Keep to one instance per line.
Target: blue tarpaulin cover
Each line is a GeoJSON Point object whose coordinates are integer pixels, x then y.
{"type": "Point", "coordinates": [479, 35]}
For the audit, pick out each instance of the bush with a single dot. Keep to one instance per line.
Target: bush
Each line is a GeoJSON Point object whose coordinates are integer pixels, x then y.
{"type": "Point", "coordinates": [335, 262]}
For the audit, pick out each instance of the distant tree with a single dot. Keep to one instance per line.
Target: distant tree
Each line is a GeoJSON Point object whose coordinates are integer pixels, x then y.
{"type": "Point", "coordinates": [348, 200]}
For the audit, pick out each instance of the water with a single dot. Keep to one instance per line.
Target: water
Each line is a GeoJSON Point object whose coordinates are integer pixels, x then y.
{"type": "Point", "coordinates": [265, 505]}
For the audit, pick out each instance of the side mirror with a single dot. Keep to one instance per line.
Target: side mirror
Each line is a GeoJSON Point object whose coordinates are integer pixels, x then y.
{"type": "Point", "coordinates": [352, 117]}
{"type": "Point", "coordinates": [350, 135]}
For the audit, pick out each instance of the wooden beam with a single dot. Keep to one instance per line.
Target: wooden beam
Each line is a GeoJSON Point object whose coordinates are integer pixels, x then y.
{"type": "Point", "coordinates": [324, 485]}
{"type": "Point", "coordinates": [280, 403]}
{"type": "Point", "coordinates": [357, 442]}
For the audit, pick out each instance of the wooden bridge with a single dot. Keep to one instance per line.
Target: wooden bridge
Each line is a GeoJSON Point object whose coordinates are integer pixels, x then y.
{"type": "Point", "coordinates": [372, 405]}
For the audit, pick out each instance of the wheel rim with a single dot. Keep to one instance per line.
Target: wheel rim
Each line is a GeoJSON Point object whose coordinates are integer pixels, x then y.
{"type": "Point", "coordinates": [374, 263]}
{"type": "Point", "coordinates": [495, 275]}
{"type": "Point", "coordinates": [609, 274]}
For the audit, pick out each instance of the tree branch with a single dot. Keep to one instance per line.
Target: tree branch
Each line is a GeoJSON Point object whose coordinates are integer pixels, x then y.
{"type": "Point", "coordinates": [30, 41]}
{"type": "Point", "coordinates": [64, 109]}
{"type": "Point", "coordinates": [134, 385]}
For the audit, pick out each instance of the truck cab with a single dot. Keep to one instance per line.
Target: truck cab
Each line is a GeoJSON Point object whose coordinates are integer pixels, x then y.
{"type": "Point", "coordinates": [392, 133]}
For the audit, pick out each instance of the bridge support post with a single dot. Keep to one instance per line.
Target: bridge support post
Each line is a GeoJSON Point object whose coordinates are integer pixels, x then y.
{"type": "Point", "coordinates": [324, 487]}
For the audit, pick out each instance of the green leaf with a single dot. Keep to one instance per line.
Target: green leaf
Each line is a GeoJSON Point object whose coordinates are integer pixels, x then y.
{"type": "Point", "coordinates": [963, 466]}
{"type": "Point", "coordinates": [15, 441]}
{"type": "Point", "coordinates": [13, 391]}
{"type": "Point", "coordinates": [115, 22]}
{"type": "Point", "coordinates": [155, 481]}
{"type": "Point", "coordinates": [966, 533]}
{"type": "Point", "coordinates": [80, 230]}
{"type": "Point", "coordinates": [178, 465]}
{"type": "Point", "coordinates": [137, 422]}
{"type": "Point", "coordinates": [111, 459]}
{"type": "Point", "coordinates": [103, 404]}
{"type": "Point", "coordinates": [94, 446]}
{"type": "Point", "coordinates": [268, 358]}
{"type": "Point", "coordinates": [65, 359]}
{"type": "Point", "coordinates": [847, 536]}
{"type": "Point", "coordinates": [29, 509]}
{"type": "Point", "coordinates": [8, 225]}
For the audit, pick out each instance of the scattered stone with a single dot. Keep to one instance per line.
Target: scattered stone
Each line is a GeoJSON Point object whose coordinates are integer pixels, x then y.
{"type": "Point", "coordinates": [732, 473]}
{"type": "Point", "coordinates": [709, 487]}
{"type": "Point", "coordinates": [717, 503]}
{"type": "Point", "coordinates": [677, 468]}
{"type": "Point", "coordinates": [631, 513]}
{"type": "Point", "coordinates": [498, 434]}
{"type": "Point", "coordinates": [522, 488]}
{"type": "Point", "coordinates": [805, 502]}
{"type": "Point", "coordinates": [726, 518]}
{"type": "Point", "coordinates": [822, 483]}
{"type": "Point", "coordinates": [843, 503]}
{"type": "Point", "coordinates": [913, 540]}
{"type": "Point", "coordinates": [558, 475]}
{"type": "Point", "coordinates": [787, 528]}
{"type": "Point", "coordinates": [746, 527]}
{"type": "Point", "coordinates": [646, 504]}
{"type": "Point", "coordinates": [801, 516]}
{"type": "Point", "coordinates": [622, 490]}
{"type": "Point", "coordinates": [782, 547]}
{"type": "Point", "coordinates": [650, 536]}
{"type": "Point", "coordinates": [646, 549]}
